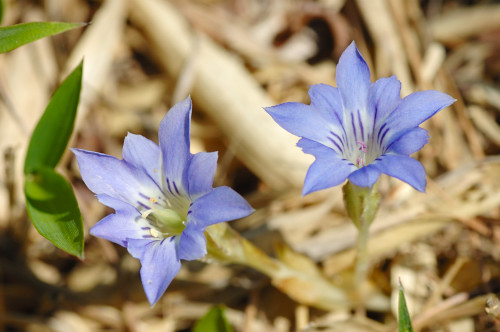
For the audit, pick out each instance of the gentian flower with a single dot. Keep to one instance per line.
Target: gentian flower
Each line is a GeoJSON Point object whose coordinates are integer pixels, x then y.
{"type": "Point", "coordinates": [360, 129]}
{"type": "Point", "coordinates": [162, 197]}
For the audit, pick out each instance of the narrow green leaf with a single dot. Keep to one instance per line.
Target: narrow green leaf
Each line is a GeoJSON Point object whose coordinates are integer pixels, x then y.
{"type": "Point", "coordinates": [213, 321]}
{"type": "Point", "coordinates": [11, 37]}
{"type": "Point", "coordinates": [51, 135]}
{"type": "Point", "coordinates": [54, 211]}
{"type": "Point", "coordinates": [404, 321]}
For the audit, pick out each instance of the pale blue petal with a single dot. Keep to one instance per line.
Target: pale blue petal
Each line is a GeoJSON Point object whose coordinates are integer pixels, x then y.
{"type": "Point", "coordinates": [118, 227]}
{"type": "Point", "coordinates": [326, 100]}
{"type": "Point", "coordinates": [365, 176]}
{"type": "Point", "coordinates": [300, 120]}
{"type": "Point", "coordinates": [410, 142]}
{"type": "Point", "coordinates": [201, 173]}
{"type": "Point", "coordinates": [108, 175]}
{"type": "Point", "coordinates": [192, 243]}
{"type": "Point", "coordinates": [174, 144]}
{"type": "Point", "coordinates": [353, 79]}
{"type": "Point", "coordinates": [404, 168]}
{"type": "Point", "coordinates": [313, 147]}
{"type": "Point", "coordinates": [384, 96]}
{"type": "Point", "coordinates": [160, 265]}
{"type": "Point", "coordinates": [144, 154]}
{"type": "Point", "coordinates": [328, 170]}
{"type": "Point", "coordinates": [219, 205]}
{"type": "Point", "coordinates": [415, 109]}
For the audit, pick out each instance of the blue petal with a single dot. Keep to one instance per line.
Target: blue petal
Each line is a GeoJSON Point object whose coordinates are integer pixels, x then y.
{"type": "Point", "coordinates": [201, 173]}
{"type": "Point", "coordinates": [365, 176]}
{"type": "Point", "coordinates": [192, 243]}
{"type": "Point", "coordinates": [404, 168]}
{"type": "Point", "coordinates": [174, 143]}
{"type": "Point", "coordinates": [313, 147]}
{"type": "Point", "coordinates": [353, 79]}
{"type": "Point", "coordinates": [328, 170]}
{"type": "Point", "coordinates": [108, 175]}
{"type": "Point", "coordinates": [384, 96]}
{"type": "Point", "coordinates": [300, 120]}
{"type": "Point", "coordinates": [144, 154]}
{"type": "Point", "coordinates": [160, 264]}
{"type": "Point", "coordinates": [219, 205]}
{"type": "Point", "coordinates": [415, 109]}
{"type": "Point", "coordinates": [326, 100]}
{"type": "Point", "coordinates": [125, 224]}
{"type": "Point", "coordinates": [410, 142]}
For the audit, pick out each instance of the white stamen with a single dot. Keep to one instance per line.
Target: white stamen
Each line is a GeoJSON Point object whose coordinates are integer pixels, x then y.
{"type": "Point", "coordinates": [146, 213]}
{"type": "Point", "coordinates": [154, 232]}
{"type": "Point", "coordinates": [152, 202]}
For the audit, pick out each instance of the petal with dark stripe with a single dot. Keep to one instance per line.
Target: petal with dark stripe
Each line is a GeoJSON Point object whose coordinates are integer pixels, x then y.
{"type": "Point", "coordinates": [415, 109]}
{"type": "Point", "coordinates": [383, 98]}
{"type": "Point", "coordinates": [192, 242]}
{"type": "Point", "coordinates": [326, 100]}
{"type": "Point", "coordinates": [117, 227]}
{"type": "Point", "coordinates": [174, 144]}
{"type": "Point", "coordinates": [328, 170]}
{"type": "Point", "coordinates": [108, 175]}
{"type": "Point", "coordinates": [219, 205]}
{"type": "Point", "coordinates": [403, 168]}
{"type": "Point", "coordinates": [300, 120]}
{"type": "Point", "coordinates": [200, 173]}
{"type": "Point", "coordinates": [410, 142]}
{"type": "Point", "coordinates": [353, 79]}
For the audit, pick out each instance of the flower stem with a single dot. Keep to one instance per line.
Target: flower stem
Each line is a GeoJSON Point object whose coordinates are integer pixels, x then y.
{"type": "Point", "coordinates": [362, 261]}
{"type": "Point", "coordinates": [305, 284]}
{"type": "Point", "coordinates": [361, 204]}
{"type": "Point", "coordinates": [294, 274]}
{"type": "Point", "coordinates": [227, 245]}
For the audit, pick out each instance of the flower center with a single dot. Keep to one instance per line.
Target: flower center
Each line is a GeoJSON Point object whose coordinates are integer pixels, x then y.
{"type": "Point", "coordinates": [361, 154]}
{"type": "Point", "coordinates": [165, 222]}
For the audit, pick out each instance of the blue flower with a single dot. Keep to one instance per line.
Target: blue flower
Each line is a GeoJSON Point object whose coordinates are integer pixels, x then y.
{"type": "Point", "coordinates": [360, 129]}
{"type": "Point", "coordinates": [163, 198]}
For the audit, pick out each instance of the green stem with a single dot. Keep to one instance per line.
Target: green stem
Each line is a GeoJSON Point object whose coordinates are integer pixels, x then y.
{"type": "Point", "coordinates": [227, 245]}
{"type": "Point", "coordinates": [361, 204]}
{"type": "Point", "coordinates": [362, 259]}
{"type": "Point", "coordinates": [305, 285]}
{"type": "Point", "coordinates": [292, 273]}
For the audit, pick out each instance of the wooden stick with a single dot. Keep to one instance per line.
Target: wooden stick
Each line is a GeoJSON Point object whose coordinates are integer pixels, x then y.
{"type": "Point", "coordinates": [224, 89]}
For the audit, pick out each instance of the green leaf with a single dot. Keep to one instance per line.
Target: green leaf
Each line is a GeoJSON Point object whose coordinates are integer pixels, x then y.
{"type": "Point", "coordinates": [213, 321]}
{"type": "Point", "coordinates": [53, 209]}
{"type": "Point", "coordinates": [51, 135]}
{"type": "Point", "coordinates": [11, 37]}
{"type": "Point", "coordinates": [404, 321]}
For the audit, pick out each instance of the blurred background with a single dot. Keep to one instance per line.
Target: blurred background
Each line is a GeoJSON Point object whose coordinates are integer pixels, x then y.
{"type": "Point", "coordinates": [234, 57]}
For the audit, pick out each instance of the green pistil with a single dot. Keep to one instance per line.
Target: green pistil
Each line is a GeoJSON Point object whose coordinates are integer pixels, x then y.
{"type": "Point", "coordinates": [166, 221]}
